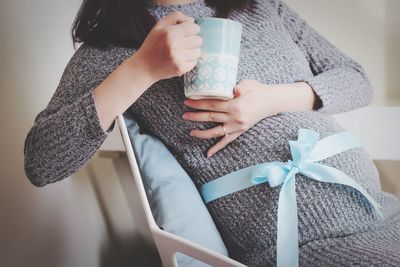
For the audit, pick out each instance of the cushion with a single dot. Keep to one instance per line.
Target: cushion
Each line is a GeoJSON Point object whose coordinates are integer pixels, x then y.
{"type": "Point", "coordinates": [175, 202]}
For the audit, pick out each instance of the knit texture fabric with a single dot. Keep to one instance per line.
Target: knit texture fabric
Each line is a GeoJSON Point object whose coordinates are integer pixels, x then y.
{"type": "Point", "coordinates": [337, 226]}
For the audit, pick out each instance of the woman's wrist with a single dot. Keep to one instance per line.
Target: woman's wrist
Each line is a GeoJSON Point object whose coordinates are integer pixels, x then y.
{"type": "Point", "coordinates": [139, 65]}
{"type": "Point", "coordinates": [310, 99]}
{"type": "Point", "coordinates": [140, 69]}
{"type": "Point", "coordinates": [292, 97]}
{"type": "Point", "coordinates": [301, 96]}
{"type": "Point", "coordinates": [120, 90]}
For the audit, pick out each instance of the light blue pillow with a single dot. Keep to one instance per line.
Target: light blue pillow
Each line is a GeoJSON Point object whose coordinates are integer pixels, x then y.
{"type": "Point", "coordinates": [176, 204]}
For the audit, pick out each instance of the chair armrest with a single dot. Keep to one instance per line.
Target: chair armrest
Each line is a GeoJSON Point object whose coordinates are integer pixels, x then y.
{"type": "Point", "coordinates": [169, 244]}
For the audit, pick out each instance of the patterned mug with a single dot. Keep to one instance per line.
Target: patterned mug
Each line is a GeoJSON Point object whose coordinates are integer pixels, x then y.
{"type": "Point", "coordinates": [215, 74]}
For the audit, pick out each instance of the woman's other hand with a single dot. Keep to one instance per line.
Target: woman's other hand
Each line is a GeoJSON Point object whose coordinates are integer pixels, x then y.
{"type": "Point", "coordinates": [253, 101]}
{"type": "Point", "coordinates": [171, 48]}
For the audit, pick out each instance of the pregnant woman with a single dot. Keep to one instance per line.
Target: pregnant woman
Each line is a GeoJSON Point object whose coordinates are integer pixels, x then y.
{"type": "Point", "coordinates": [132, 59]}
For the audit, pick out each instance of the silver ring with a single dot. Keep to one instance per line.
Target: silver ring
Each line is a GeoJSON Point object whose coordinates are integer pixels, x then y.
{"type": "Point", "coordinates": [223, 128]}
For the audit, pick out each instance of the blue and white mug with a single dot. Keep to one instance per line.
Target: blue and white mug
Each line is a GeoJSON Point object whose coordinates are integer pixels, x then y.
{"type": "Point", "coordinates": [215, 74]}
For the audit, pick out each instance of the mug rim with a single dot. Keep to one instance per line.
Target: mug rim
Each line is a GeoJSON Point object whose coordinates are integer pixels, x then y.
{"type": "Point", "coordinates": [219, 19]}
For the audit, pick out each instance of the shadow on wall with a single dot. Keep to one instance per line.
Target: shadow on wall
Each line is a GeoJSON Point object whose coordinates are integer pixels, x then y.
{"type": "Point", "coordinates": [128, 251]}
{"type": "Point", "coordinates": [389, 172]}
{"type": "Point", "coordinates": [118, 249]}
{"type": "Point", "coordinates": [393, 47]}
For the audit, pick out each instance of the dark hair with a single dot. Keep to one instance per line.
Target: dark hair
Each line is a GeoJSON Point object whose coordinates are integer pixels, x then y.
{"type": "Point", "coordinates": [125, 23]}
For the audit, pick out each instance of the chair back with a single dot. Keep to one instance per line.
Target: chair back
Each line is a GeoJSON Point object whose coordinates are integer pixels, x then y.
{"type": "Point", "coordinates": [168, 244]}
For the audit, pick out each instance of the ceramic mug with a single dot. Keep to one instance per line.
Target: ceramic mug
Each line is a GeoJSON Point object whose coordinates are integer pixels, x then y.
{"type": "Point", "coordinates": [215, 74]}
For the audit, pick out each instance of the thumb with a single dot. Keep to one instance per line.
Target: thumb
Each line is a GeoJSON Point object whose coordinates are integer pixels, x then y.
{"type": "Point", "coordinates": [174, 18]}
{"type": "Point", "coordinates": [236, 91]}
{"type": "Point", "coordinates": [241, 89]}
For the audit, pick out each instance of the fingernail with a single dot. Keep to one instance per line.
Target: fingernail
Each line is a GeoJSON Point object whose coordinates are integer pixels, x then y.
{"type": "Point", "coordinates": [184, 116]}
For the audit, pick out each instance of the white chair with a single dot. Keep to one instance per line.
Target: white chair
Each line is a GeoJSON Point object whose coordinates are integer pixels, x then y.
{"type": "Point", "coordinates": [373, 124]}
{"type": "Point", "coordinates": [168, 244]}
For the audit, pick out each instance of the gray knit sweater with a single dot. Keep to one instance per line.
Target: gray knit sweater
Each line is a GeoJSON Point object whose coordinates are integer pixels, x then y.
{"type": "Point", "coordinates": [337, 226]}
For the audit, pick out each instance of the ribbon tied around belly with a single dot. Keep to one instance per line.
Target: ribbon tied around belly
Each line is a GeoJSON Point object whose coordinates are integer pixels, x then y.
{"type": "Point", "coordinates": [305, 152]}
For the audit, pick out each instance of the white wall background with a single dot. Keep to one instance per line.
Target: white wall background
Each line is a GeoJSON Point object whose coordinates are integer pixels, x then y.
{"type": "Point", "coordinates": [68, 224]}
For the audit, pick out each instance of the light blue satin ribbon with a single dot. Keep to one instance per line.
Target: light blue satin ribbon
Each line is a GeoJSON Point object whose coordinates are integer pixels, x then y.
{"type": "Point", "coordinates": [306, 151]}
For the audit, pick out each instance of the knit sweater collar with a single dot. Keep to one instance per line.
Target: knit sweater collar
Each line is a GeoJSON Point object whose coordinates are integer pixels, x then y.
{"type": "Point", "coordinates": [194, 9]}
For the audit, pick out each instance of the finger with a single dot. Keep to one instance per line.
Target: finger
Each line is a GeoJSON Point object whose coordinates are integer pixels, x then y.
{"type": "Point", "coordinates": [173, 18]}
{"type": "Point", "coordinates": [187, 28]}
{"type": "Point", "coordinates": [206, 116]}
{"type": "Point", "coordinates": [237, 92]}
{"type": "Point", "coordinates": [240, 90]}
{"type": "Point", "coordinates": [209, 104]}
{"type": "Point", "coordinates": [217, 131]}
{"type": "Point", "coordinates": [191, 54]}
{"type": "Point", "coordinates": [223, 143]}
{"type": "Point", "coordinates": [192, 42]}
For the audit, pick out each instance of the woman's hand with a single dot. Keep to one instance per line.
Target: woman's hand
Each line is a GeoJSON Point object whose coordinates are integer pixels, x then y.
{"type": "Point", "coordinates": [171, 48]}
{"type": "Point", "coordinates": [249, 106]}
{"type": "Point", "coordinates": [253, 101]}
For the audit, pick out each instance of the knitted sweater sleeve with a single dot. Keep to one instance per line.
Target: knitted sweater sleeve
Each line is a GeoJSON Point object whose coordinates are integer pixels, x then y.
{"type": "Point", "coordinates": [339, 81]}
{"type": "Point", "coordinates": [68, 132]}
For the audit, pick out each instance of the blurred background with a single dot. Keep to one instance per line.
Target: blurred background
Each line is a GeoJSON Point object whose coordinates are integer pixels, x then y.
{"type": "Point", "coordinates": [86, 220]}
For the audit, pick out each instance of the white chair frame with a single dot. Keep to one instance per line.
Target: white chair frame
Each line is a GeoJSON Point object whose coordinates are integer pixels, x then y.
{"type": "Point", "coordinates": [168, 244]}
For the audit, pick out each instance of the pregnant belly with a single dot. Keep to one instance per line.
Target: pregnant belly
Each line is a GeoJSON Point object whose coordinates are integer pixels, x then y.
{"type": "Point", "coordinates": [247, 219]}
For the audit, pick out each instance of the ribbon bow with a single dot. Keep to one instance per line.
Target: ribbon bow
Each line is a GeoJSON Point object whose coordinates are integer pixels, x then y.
{"type": "Point", "coordinates": [306, 151]}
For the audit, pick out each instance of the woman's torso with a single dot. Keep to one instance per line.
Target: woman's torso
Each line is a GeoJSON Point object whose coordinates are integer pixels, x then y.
{"type": "Point", "coordinates": [269, 56]}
